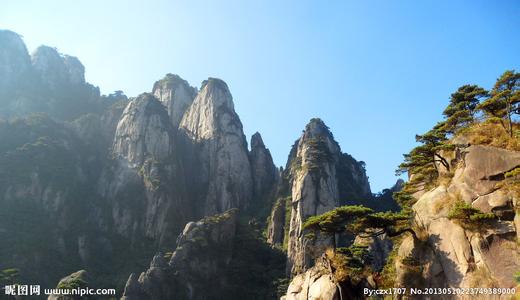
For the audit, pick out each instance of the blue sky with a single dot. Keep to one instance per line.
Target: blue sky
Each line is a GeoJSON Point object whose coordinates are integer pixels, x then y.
{"type": "Point", "coordinates": [377, 72]}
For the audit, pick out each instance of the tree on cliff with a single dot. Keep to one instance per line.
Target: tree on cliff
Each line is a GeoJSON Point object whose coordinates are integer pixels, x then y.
{"type": "Point", "coordinates": [341, 219]}
{"type": "Point", "coordinates": [461, 110]}
{"type": "Point", "coordinates": [504, 100]}
{"type": "Point", "coordinates": [422, 160]}
{"type": "Point", "coordinates": [359, 220]}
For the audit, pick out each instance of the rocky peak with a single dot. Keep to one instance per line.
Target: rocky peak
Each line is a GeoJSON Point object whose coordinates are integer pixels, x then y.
{"type": "Point", "coordinates": [75, 69]}
{"type": "Point", "coordinates": [176, 94]}
{"type": "Point", "coordinates": [144, 131]}
{"type": "Point", "coordinates": [213, 132]}
{"type": "Point", "coordinates": [212, 112]}
{"type": "Point", "coordinates": [14, 58]}
{"type": "Point", "coordinates": [257, 142]}
{"type": "Point", "coordinates": [264, 171]}
{"type": "Point", "coordinates": [50, 66]}
{"type": "Point", "coordinates": [322, 178]}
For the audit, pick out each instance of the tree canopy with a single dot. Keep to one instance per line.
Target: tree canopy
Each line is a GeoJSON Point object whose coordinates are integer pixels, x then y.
{"type": "Point", "coordinates": [462, 108]}
{"type": "Point", "coordinates": [504, 100]}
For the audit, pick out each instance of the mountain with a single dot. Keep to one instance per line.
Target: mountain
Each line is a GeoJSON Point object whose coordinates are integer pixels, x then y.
{"type": "Point", "coordinates": [161, 197]}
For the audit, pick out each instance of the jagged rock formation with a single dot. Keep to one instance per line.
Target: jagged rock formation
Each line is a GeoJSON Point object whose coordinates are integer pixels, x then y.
{"type": "Point", "coordinates": [322, 179]}
{"type": "Point", "coordinates": [217, 147]}
{"type": "Point", "coordinates": [453, 254]}
{"type": "Point", "coordinates": [212, 260]}
{"type": "Point", "coordinates": [203, 249]}
{"type": "Point", "coordinates": [176, 95]}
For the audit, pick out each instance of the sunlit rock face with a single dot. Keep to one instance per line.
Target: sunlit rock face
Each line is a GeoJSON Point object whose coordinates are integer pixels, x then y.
{"type": "Point", "coordinates": [453, 254]}
{"type": "Point", "coordinates": [176, 95]}
{"type": "Point", "coordinates": [216, 147]}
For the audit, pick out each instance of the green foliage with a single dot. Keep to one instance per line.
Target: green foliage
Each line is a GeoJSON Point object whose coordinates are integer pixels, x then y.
{"type": "Point", "coordinates": [513, 174]}
{"type": "Point", "coordinates": [350, 263]}
{"type": "Point", "coordinates": [357, 219]}
{"type": "Point", "coordinates": [504, 100]}
{"type": "Point", "coordinates": [461, 110]}
{"type": "Point", "coordinates": [288, 209]}
{"type": "Point", "coordinates": [517, 277]}
{"type": "Point", "coordinates": [469, 215]}
{"type": "Point", "coordinates": [336, 220]}
{"type": "Point", "coordinates": [256, 270]}
{"type": "Point", "coordinates": [404, 197]}
{"type": "Point", "coordinates": [73, 283]}
{"type": "Point", "coordinates": [317, 154]}
{"type": "Point", "coordinates": [422, 160]}
{"type": "Point", "coordinates": [389, 273]}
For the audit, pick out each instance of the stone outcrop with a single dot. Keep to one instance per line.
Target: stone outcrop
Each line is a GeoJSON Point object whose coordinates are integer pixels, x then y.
{"type": "Point", "coordinates": [316, 283]}
{"type": "Point", "coordinates": [457, 256]}
{"type": "Point", "coordinates": [322, 179]}
{"type": "Point", "coordinates": [217, 150]}
{"type": "Point", "coordinates": [176, 95]}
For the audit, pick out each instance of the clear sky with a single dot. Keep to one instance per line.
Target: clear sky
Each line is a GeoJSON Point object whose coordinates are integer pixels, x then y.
{"type": "Point", "coordinates": [377, 72]}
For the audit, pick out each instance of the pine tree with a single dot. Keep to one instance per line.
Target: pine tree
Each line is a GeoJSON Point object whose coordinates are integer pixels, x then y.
{"type": "Point", "coordinates": [357, 219]}
{"type": "Point", "coordinates": [504, 100]}
{"type": "Point", "coordinates": [461, 110]}
{"type": "Point", "coordinates": [422, 160]}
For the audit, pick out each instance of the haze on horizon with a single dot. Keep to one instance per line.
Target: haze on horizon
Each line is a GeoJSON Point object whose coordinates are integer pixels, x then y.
{"type": "Point", "coordinates": [377, 73]}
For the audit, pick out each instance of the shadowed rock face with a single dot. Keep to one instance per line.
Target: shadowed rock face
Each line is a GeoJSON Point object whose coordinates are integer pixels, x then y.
{"type": "Point", "coordinates": [318, 170]}
{"type": "Point", "coordinates": [176, 95]}
{"type": "Point", "coordinates": [204, 250]}
{"type": "Point", "coordinates": [212, 133]}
